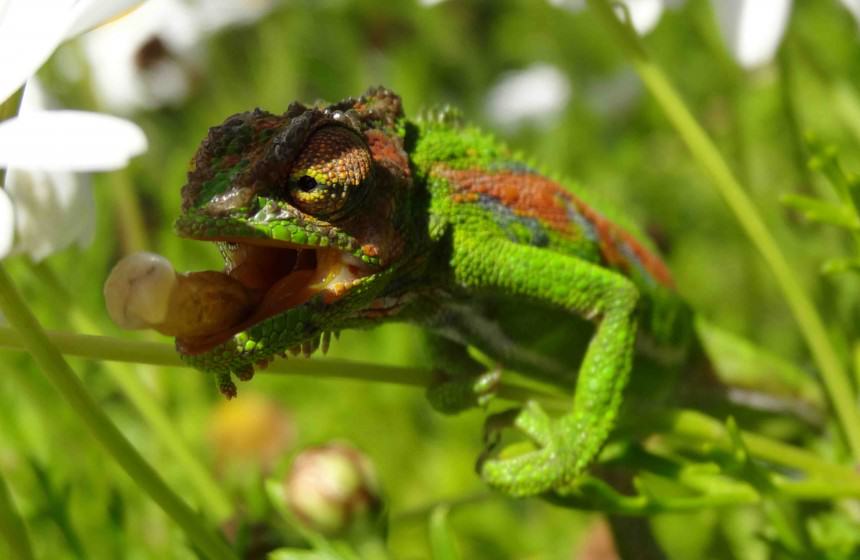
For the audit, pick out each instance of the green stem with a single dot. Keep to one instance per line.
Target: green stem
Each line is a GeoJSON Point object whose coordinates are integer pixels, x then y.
{"type": "Point", "coordinates": [213, 501]}
{"type": "Point", "coordinates": [792, 119]}
{"type": "Point", "coordinates": [833, 373]}
{"type": "Point", "coordinates": [12, 527]}
{"type": "Point", "coordinates": [683, 423]}
{"type": "Point", "coordinates": [58, 371]}
{"type": "Point", "coordinates": [129, 217]}
{"type": "Point", "coordinates": [105, 348]}
{"type": "Point", "coordinates": [602, 497]}
{"type": "Point", "coordinates": [699, 428]}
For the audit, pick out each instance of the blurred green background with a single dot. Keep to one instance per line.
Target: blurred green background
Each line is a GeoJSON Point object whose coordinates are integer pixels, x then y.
{"type": "Point", "coordinates": [609, 137]}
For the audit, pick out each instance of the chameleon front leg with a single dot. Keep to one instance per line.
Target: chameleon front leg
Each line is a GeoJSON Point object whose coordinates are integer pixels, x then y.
{"type": "Point", "coordinates": [566, 445]}
{"type": "Point", "coordinates": [461, 381]}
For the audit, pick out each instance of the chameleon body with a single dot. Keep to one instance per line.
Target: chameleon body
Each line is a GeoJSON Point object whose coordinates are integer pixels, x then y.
{"type": "Point", "coordinates": [357, 215]}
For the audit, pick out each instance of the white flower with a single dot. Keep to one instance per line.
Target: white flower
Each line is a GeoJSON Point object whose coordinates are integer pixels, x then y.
{"type": "Point", "coordinates": [44, 207]}
{"type": "Point", "coordinates": [145, 59]}
{"type": "Point", "coordinates": [68, 140]}
{"type": "Point", "coordinates": [47, 206]}
{"type": "Point", "coordinates": [30, 30]}
{"type": "Point", "coordinates": [537, 94]}
{"type": "Point", "coordinates": [151, 57]}
{"type": "Point", "coordinates": [753, 29]}
{"type": "Point", "coordinates": [52, 211]}
{"type": "Point", "coordinates": [852, 6]}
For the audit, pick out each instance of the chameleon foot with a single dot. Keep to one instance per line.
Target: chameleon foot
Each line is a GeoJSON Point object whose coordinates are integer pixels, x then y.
{"type": "Point", "coordinates": [451, 395]}
{"type": "Point", "coordinates": [545, 465]}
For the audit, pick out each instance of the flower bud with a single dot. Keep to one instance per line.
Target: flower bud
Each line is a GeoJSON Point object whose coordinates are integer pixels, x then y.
{"type": "Point", "coordinates": [143, 291]}
{"type": "Point", "coordinates": [333, 490]}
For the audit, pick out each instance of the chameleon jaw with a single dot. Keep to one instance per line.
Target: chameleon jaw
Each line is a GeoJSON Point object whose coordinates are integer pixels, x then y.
{"type": "Point", "coordinates": [261, 279]}
{"type": "Point", "coordinates": [280, 276]}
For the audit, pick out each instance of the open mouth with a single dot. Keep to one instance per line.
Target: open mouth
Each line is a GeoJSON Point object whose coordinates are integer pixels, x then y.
{"type": "Point", "coordinates": [276, 276]}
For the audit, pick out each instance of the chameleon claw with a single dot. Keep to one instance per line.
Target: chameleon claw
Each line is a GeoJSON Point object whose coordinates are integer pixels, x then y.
{"type": "Point", "coordinates": [246, 373]}
{"type": "Point", "coordinates": [541, 462]}
{"type": "Point", "coordinates": [495, 423]}
{"type": "Point", "coordinates": [326, 341]}
{"type": "Point", "coordinates": [226, 385]}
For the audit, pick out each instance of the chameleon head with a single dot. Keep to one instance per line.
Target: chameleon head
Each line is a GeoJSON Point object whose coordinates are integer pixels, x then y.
{"type": "Point", "coordinates": [305, 208]}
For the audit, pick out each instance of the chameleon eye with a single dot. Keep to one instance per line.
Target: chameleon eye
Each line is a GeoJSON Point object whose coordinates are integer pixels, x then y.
{"type": "Point", "coordinates": [330, 171]}
{"type": "Point", "coordinates": [306, 183]}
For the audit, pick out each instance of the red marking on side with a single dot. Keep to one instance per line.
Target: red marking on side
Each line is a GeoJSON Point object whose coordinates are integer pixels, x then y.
{"type": "Point", "coordinates": [611, 238]}
{"type": "Point", "coordinates": [526, 194]}
{"type": "Point", "coordinates": [534, 196]}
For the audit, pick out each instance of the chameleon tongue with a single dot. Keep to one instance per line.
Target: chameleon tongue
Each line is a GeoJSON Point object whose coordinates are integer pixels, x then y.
{"type": "Point", "coordinates": [143, 291]}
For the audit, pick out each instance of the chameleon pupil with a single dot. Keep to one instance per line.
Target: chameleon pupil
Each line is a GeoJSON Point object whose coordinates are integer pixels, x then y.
{"type": "Point", "coordinates": [306, 183]}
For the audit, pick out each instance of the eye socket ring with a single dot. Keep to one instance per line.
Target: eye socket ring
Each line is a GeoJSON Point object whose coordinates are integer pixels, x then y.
{"type": "Point", "coordinates": [330, 172]}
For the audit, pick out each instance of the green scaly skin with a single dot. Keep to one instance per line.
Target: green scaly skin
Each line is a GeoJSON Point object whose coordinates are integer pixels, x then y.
{"type": "Point", "coordinates": [448, 229]}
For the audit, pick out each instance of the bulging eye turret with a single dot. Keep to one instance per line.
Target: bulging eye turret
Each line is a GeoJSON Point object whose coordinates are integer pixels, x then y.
{"type": "Point", "coordinates": [330, 172]}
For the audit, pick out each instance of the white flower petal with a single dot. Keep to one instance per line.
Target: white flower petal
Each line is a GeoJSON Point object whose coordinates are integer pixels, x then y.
{"type": "Point", "coordinates": [7, 224]}
{"type": "Point", "coordinates": [852, 6]}
{"type": "Point", "coordinates": [145, 59]}
{"type": "Point", "coordinates": [53, 210]}
{"type": "Point", "coordinates": [69, 140]}
{"type": "Point", "coordinates": [538, 94]}
{"type": "Point", "coordinates": [35, 98]}
{"type": "Point", "coordinates": [92, 13]}
{"type": "Point", "coordinates": [644, 14]}
{"type": "Point", "coordinates": [30, 30]}
{"type": "Point", "coordinates": [752, 29]}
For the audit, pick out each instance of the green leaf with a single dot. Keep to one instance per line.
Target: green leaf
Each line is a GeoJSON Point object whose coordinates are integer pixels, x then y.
{"type": "Point", "coordinates": [825, 160]}
{"type": "Point", "coordinates": [442, 544]}
{"type": "Point", "coordinates": [817, 210]}
{"type": "Point", "coordinates": [839, 265]}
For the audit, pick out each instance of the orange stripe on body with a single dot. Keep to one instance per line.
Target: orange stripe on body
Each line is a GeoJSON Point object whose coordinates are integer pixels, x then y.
{"type": "Point", "coordinates": [534, 196]}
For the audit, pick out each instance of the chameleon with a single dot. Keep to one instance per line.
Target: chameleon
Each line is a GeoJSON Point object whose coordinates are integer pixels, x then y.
{"type": "Point", "coordinates": [350, 215]}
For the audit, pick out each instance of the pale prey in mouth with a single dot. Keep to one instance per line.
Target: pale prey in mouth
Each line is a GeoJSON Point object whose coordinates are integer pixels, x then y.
{"type": "Point", "coordinates": [262, 278]}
